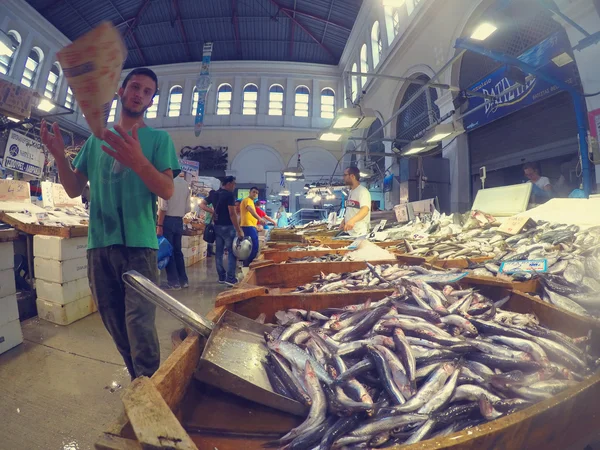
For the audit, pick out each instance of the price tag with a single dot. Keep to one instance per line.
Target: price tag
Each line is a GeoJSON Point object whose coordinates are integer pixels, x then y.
{"type": "Point", "coordinates": [533, 265]}
{"type": "Point", "coordinates": [379, 226]}
{"type": "Point", "coordinates": [401, 213]}
{"type": "Point", "coordinates": [513, 225]}
{"type": "Point", "coordinates": [356, 243]}
{"type": "Point", "coordinates": [14, 191]}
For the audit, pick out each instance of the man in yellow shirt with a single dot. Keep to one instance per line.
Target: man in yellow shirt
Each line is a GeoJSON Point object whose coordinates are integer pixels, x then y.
{"type": "Point", "coordinates": [249, 221]}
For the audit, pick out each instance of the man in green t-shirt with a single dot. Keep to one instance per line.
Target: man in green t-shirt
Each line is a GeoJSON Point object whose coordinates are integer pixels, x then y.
{"type": "Point", "coordinates": [127, 170]}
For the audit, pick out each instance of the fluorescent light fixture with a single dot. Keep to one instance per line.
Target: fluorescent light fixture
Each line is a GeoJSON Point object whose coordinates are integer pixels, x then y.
{"type": "Point", "coordinates": [45, 105]}
{"type": "Point", "coordinates": [14, 119]}
{"type": "Point", "coordinates": [353, 118]}
{"type": "Point", "coordinates": [317, 199]}
{"type": "Point", "coordinates": [291, 179]}
{"type": "Point", "coordinates": [330, 136]}
{"type": "Point", "coordinates": [562, 60]}
{"type": "Point", "coordinates": [416, 147]}
{"type": "Point", "coordinates": [306, 187]}
{"type": "Point", "coordinates": [293, 172]}
{"type": "Point", "coordinates": [393, 3]}
{"type": "Point", "coordinates": [483, 31]}
{"type": "Point", "coordinates": [284, 193]}
{"type": "Point", "coordinates": [441, 132]}
{"type": "Point", "coordinates": [366, 173]}
{"type": "Point", "coordinates": [297, 194]}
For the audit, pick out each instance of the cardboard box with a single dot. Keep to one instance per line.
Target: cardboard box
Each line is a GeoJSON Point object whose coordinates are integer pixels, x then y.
{"type": "Point", "coordinates": [65, 314]}
{"type": "Point", "coordinates": [10, 335]}
{"type": "Point", "coordinates": [16, 100]}
{"type": "Point", "coordinates": [60, 271]}
{"type": "Point", "coordinates": [7, 255]}
{"type": "Point", "coordinates": [9, 310]}
{"type": "Point", "coordinates": [59, 249]}
{"type": "Point", "coordinates": [63, 293]}
{"type": "Point", "coordinates": [190, 251]}
{"type": "Point", "coordinates": [7, 283]}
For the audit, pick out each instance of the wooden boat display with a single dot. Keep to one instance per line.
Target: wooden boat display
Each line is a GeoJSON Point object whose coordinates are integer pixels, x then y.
{"type": "Point", "coordinates": [173, 410]}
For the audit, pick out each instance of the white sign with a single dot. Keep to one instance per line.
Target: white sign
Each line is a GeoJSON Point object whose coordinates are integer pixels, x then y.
{"type": "Point", "coordinates": [54, 195]}
{"type": "Point", "coordinates": [24, 154]}
{"type": "Point", "coordinates": [14, 191]}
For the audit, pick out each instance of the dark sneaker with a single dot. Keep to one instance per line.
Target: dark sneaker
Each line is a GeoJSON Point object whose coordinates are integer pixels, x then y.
{"type": "Point", "coordinates": [173, 287]}
{"type": "Point", "coordinates": [221, 280]}
{"type": "Point", "coordinates": [185, 285]}
{"type": "Point", "coordinates": [232, 282]}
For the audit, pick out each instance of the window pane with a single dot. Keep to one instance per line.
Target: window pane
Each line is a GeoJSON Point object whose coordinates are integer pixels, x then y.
{"type": "Point", "coordinates": [276, 97]}
{"type": "Point", "coordinates": [301, 113]}
{"type": "Point", "coordinates": [113, 110]}
{"type": "Point", "coordinates": [249, 112]}
{"type": "Point", "coordinates": [224, 95]}
{"type": "Point", "coordinates": [195, 98]}
{"type": "Point", "coordinates": [152, 112]}
{"type": "Point", "coordinates": [250, 95]}
{"type": "Point", "coordinates": [302, 106]}
{"type": "Point", "coordinates": [31, 64]}
{"type": "Point", "coordinates": [223, 111]}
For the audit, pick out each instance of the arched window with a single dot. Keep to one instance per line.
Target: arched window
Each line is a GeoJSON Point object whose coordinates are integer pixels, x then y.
{"type": "Point", "coordinates": [195, 99]}
{"type": "Point", "coordinates": [354, 83]}
{"type": "Point", "coordinates": [420, 114]}
{"type": "Point", "coordinates": [174, 105]}
{"type": "Point", "coordinates": [250, 100]}
{"type": "Point", "coordinates": [113, 109]}
{"type": "Point", "coordinates": [152, 112]}
{"type": "Point", "coordinates": [52, 83]}
{"type": "Point", "coordinates": [364, 65]}
{"type": "Point", "coordinates": [301, 101]}
{"type": "Point", "coordinates": [8, 55]}
{"type": "Point", "coordinates": [327, 103]}
{"type": "Point", "coordinates": [276, 100]}
{"type": "Point", "coordinates": [376, 43]}
{"type": "Point", "coordinates": [224, 100]}
{"type": "Point", "coordinates": [70, 98]}
{"type": "Point", "coordinates": [31, 67]}
{"type": "Point", "coordinates": [392, 23]}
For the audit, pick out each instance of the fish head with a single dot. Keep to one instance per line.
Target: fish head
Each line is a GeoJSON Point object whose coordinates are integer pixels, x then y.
{"type": "Point", "coordinates": [399, 332]}
{"type": "Point", "coordinates": [449, 367]}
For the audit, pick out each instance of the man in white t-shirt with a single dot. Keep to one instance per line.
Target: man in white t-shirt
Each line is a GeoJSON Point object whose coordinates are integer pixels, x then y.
{"type": "Point", "coordinates": [542, 189]}
{"type": "Point", "coordinates": [357, 217]}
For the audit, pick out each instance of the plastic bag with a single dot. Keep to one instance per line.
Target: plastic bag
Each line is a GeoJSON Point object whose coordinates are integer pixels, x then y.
{"type": "Point", "coordinates": [165, 251]}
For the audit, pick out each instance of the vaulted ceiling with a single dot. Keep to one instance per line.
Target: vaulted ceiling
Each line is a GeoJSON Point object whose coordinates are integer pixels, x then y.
{"type": "Point", "coordinates": [174, 31]}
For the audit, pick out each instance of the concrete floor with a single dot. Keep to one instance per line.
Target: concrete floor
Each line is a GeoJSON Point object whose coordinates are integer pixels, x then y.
{"type": "Point", "coordinates": [61, 387]}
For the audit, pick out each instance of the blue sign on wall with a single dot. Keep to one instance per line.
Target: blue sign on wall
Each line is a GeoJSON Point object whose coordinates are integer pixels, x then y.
{"type": "Point", "coordinates": [534, 90]}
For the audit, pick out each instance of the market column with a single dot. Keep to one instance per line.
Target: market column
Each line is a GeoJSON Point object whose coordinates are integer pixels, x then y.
{"type": "Point", "coordinates": [456, 150]}
{"type": "Point", "coordinates": [391, 198]}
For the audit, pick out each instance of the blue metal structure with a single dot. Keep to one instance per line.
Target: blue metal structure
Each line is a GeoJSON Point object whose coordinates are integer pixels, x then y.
{"type": "Point", "coordinates": [578, 100]}
{"type": "Point", "coordinates": [174, 31]}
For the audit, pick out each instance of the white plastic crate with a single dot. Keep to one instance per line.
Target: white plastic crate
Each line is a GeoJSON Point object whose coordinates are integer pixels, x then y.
{"type": "Point", "coordinates": [59, 249]}
{"type": "Point", "coordinates": [9, 309]}
{"type": "Point", "coordinates": [60, 271]}
{"type": "Point", "coordinates": [63, 293]}
{"type": "Point", "coordinates": [7, 255]}
{"type": "Point", "coordinates": [65, 314]}
{"type": "Point", "coordinates": [10, 335]}
{"type": "Point", "coordinates": [7, 282]}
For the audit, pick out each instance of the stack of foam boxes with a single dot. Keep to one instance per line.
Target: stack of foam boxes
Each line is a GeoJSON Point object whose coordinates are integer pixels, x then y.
{"type": "Point", "coordinates": [194, 249]}
{"type": "Point", "coordinates": [10, 326]}
{"type": "Point", "coordinates": [63, 291]}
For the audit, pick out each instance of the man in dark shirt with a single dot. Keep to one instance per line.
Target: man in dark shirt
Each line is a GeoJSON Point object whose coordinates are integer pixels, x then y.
{"type": "Point", "coordinates": [227, 226]}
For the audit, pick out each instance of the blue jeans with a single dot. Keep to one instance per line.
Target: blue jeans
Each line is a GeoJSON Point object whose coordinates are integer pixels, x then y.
{"type": "Point", "coordinates": [173, 231]}
{"type": "Point", "coordinates": [253, 234]}
{"type": "Point", "coordinates": [225, 234]}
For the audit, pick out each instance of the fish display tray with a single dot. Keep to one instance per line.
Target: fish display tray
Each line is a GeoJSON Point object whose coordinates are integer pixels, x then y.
{"type": "Point", "coordinates": [179, 406]}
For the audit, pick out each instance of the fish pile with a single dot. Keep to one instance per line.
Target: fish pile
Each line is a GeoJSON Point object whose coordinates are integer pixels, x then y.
{"type": "Point", "coordinates": [317, 259]}
{"type": "Point", "coordinates": [308, 248]}
{"type": "Point", "coordinates": [418, 364]}
{"type": "Point", "coordinates": [384, 276]}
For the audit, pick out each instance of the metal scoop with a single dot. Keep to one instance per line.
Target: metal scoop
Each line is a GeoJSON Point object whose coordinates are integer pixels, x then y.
{"type": "Point", "coordinates": [235, 352]}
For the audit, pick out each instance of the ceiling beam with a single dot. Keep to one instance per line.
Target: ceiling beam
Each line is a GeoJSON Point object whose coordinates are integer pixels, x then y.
{"type": "Point", "coordinates": [327, 24]}
{"type": "Point", "coordinates": [132, 26]}
{"type": "Point", "coordinates": [47, 9]}
{"type": "Point", "coordinates": [303, 28]}
{"type": "Point", "coordinates": [182, 29]}
{"type": "Point", "coordinates": [292, 33]}
{"type": "Point", "coordinates": [236, 29]}
{"type": "Point", "coordinates": [227, 41]}
{"type": "Point", "coordinates": [127, 22]}
{"type": "Point", "coordinates": [320, 19]}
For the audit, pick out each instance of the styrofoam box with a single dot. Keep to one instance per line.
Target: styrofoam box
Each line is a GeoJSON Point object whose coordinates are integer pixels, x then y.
{"type": "Point", "coordinates": [9, 310]}
{"type": "Point", "coordinates": [10, 335]}
{"type": "Point", "coordinates": [7, 255]}
{"type": "Point", "coordinates": [60, 271]}
{"type": "Point", "coordinates": [63, 293]}
{"type": "Point", "coordinates": [60, 249]}
{"type": "Point", "coordinates": [7, 282]}
{"type": "Point", "coordinates": [187, 252]}
{"type": "Point", "coordinates": [190, 241]}
{"type": "Point", "coordinates": [188, 261]}
{"type": "Point", "coordinates": [65, 314]}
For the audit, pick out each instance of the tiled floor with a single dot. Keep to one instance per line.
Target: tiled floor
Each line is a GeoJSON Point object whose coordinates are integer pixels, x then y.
{"type": "Point", "coordinates": [61, 387]}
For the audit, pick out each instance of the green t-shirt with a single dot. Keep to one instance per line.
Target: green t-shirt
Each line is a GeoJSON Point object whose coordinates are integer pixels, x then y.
{"type": "Point", "coordinates": [123, 210]}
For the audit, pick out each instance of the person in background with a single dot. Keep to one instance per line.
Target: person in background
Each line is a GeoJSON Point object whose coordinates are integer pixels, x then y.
{"type": "Point", "coordinates": [127, 168]}
{"type": "Point", "coordinates": [170, 225]}
{"type": "Point", "coordinates": [227, 226]}
{"type": "Point", "coordinates": [261, 212]}
{"type": "Point", "coordinates": [282, 218]}
{"type": "Point", "coordinates": [250, 219]}
{"type": "Point", "coordinates": [542, 189]}
{"type": "Point", "coordinates": [357, 217]}
{"type": "Point", "coordinates": [238, 203]}
{"type": "Point", "coordinates": [207, 205]}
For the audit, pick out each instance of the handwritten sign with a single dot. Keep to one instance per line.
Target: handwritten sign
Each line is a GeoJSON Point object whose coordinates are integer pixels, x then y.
{"type": "Point", "coordinates": [513, 225]}
{"type": "Point", "coordinates": [14, 191]}
{"type": "Point", "coordinates": [533, 265]}
{"type": "Point", "coordinates": [92, 65]}
{"type": "Point", "coordinates": [401, 213]}
{"type": "Point", "coordinates": [16, 100]}
{"type": "Point", "coordinates": [54, 195]}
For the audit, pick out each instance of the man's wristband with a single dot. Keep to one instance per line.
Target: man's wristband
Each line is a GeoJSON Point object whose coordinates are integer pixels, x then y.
{"type": "Point", "coordinates": [159, 226]}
